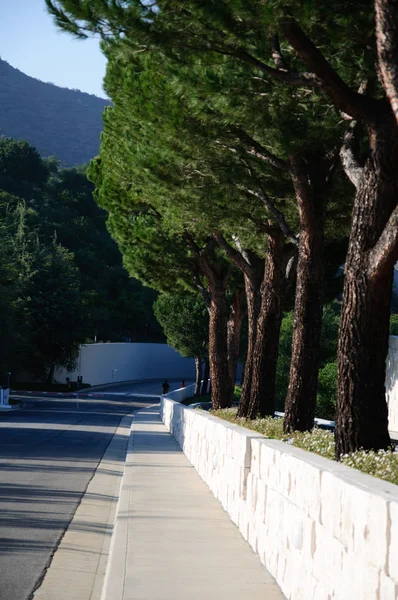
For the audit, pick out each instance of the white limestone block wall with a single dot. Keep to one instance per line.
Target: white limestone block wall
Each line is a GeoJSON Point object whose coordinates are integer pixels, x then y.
{"type": "Point", "coordinates": [323, 530]}
{"type": "Point", "coordinates": [392, 383]}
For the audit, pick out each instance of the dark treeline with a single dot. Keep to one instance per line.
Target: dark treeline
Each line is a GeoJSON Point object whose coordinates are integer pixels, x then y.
{"type": "Point", "coordinates": [62, 282]}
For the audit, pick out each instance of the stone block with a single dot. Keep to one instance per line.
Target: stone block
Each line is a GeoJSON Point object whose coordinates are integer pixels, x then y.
{"type": "Point", "coordinates": [290, 574]}
{"type": "Point", "coordinates": [308, 496]}
{"type": "Point", "coordinates": [328, 558]}
{"type": "Point", "coordinates": [251, 496]}
{"type": "Point", "coordinates": [263, 544]}
{"type": "Point", "coordinates": [321, 593]}
{"type": "Point", "coordinates": [243, 522]}
{"type": "Point", "coordinates": [267, 460]}
{"type": "Point", "coordinates": [261, 501]}
{"type": "Point", "coordinates": [255, 452]}
{"type": "Point", "coordinates": [370, 526]}
{"type": "Point", "coordinates": [330, 494]}
{"type": "Point", "coordinates": [388, 588]}
{"type": "Point", "coordinates": [392, 567]}
{"type": "Point", "coordinates": [304, 585]}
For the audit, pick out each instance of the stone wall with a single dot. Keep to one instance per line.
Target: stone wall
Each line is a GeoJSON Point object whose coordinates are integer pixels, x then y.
{"type": "Point", "coordinates": [392, 383]}
{"type": "Point", "coordinates": [182, 393]}
{"type": "Point", "coordinates": [323, 530]}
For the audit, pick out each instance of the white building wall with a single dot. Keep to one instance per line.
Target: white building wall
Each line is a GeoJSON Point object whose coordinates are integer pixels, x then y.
{"type": "Point", "coordinates": [109, 363]}
{"type": "Point", "coordinates": [392, 383]}
{"type": "Point", "coordinates": [323, 530]}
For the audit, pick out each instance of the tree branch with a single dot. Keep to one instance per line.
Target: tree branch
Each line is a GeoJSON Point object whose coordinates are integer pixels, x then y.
{"type": "Point", "coordinates": [204, 293]}
{"type": "Point", "coordinates": [290, 271]}
{"type": "Point", "coordinates": [349, 155]}
{"type": "Point", "coordinates": [277, 53]}
{"type": "Point", "coordinates": [387, 48]}
{"type": "Point", "coordinates": [385, 253]}
{"type": "Point", "coordinates": [234, 255]}
{"type": "Point", "coordinates": [256, 149]}
{"type": "Point", "coordinates": [279, 216]}
{"type": "Point", "coordinates": [345, 99]}
{"type": "Point", "coordinates": [291, 78]}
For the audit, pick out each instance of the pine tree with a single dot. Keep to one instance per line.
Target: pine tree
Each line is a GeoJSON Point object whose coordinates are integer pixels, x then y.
{"type": "Point", "coordinates": [333, 42]}
{"type": "Point", "coordinates": [185, 321]}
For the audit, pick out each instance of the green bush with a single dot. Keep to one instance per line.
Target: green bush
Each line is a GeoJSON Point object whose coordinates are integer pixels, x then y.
{"type": "Point", "coordinates": [327, 387]}
{"type": "Point", "coordinates": [394, 324]}
{"type": "Point", "coordinates": [328, 370]}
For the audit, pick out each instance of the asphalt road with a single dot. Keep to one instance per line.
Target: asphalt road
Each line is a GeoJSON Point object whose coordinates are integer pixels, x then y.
{"type": "Point", "coordinates": [48, 453]}
{"type": "Point", "coordinates": [155, 387]}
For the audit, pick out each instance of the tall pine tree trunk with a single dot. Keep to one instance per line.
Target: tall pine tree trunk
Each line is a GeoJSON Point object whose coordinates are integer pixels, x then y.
{"type": "Point", "coordinates": [198, 375]}
{"type": "Point", "coordinates": [218, 346]}
{"type": "Point", "coordinates": [253, 301]}
{"type": "Point", "coordinates": [311, 198]}
{"type": "Point", "coordinates": [265, 354]}
{"type": "Point", "coordinates": [206, 374]}
{"type": "Point", "coordinates": [362, 414]}
{"type": "Point", "coordinates": [234, 335]}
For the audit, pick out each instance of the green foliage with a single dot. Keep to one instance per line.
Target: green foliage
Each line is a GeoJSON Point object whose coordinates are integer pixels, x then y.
{"type": "Point", "coordinates": [327, 388]}
{"type": "Point", "coordinates": [49, 310]}
{"type": "Point", "coordinates": [394, 324]}
{"type": "Point", "coordinates": [61, 278]}
{"type": "Point", "coordinates": [19, 163]}
{"type": "Point", "coordinates": [185, 322]}
{"type": "Point", "coordinates": [187, 78]}
{"type": "Point", "coordinates": [57, 121]}
{"type": "Point", "coordinates": [327, 382]}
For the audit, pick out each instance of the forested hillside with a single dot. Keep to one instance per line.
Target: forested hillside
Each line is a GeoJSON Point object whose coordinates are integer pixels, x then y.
{"type": "Point", "coordinates": [62, 282]}
{"type": "Point", "coordinates": [57, 121]}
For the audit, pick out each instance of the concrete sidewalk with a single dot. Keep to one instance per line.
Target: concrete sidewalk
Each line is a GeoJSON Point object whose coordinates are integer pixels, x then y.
{"type": "Point", "coordinates": [173, 540]}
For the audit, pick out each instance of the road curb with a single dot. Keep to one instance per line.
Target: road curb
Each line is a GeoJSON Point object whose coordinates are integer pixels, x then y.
{"type": "Point", "coordinates": [113, 588]}
{"type": "Point", "coordinates": [79, 565]}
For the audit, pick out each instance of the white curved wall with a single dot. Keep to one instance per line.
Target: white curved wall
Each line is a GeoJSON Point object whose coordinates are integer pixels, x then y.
{"type": "Point", "coordinates": [110, 363]}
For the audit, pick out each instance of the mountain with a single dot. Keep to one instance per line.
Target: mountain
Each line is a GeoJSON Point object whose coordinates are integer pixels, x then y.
{"type": "Point", "coordinates": [57, 121]}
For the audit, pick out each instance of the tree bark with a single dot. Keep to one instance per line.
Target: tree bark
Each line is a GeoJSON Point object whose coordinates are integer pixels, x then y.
{"type": "Point", "coordinates": [218, 346]}
{"type": "Point", "coordinates": [214, 294]}
{"type": "Point", "coordinates": [253, 301]}
{"type": "Point", "coordinates": [265, 354]}
{"type": "Point", "coordinates": [248, 264]}
{"type": "Point", "coordinates": [205, 378]}
{"type": "Point", "coordinates": [234, 335]}
{"type": "Point", "coordinates": [311, 198]}
{"type": "Point", "coordinates": [362, 414]}
{"type": "Point", "coordinates": [387, 48]}
{"type": "Point", "coordinates": [198, 375]}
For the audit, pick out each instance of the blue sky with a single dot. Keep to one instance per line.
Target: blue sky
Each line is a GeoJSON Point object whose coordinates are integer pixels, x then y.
{"type": "Point", "coordinates": [30, 42]}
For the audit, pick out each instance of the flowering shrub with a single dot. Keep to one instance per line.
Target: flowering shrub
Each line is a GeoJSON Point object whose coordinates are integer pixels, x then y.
{"type": "Point", "coordinates": [381, 464]}
{"type": "Point", "coordinates": [318, 441]}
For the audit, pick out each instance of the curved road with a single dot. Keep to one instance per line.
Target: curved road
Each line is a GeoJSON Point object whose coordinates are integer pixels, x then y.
{"type": "Point", "coordinates": [48, 453]}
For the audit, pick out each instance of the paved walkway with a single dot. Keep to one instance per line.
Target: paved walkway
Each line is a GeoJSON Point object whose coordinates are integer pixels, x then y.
{"type": "Point", "coordinates": [173, 540]}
